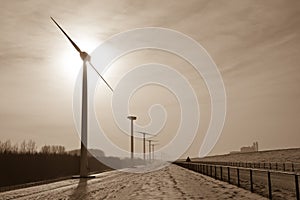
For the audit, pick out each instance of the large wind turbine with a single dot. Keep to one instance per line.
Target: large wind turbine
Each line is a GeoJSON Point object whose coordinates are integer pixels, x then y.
{"type": "Point", "coordinates": [84, 109]}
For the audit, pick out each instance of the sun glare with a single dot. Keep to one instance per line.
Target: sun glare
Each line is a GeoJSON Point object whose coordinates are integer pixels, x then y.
{"type": "Point", "coordinates": [70, 59]}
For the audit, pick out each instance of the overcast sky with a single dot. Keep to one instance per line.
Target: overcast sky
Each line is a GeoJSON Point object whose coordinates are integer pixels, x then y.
{"type": "Point", "coordinates": [254, 43]}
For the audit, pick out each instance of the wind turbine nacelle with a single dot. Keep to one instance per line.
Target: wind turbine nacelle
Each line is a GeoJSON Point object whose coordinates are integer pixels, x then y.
{"type": "Point", "coordinates": [85, 56]}
{"type": "Point", "coordinates": [132, 117]}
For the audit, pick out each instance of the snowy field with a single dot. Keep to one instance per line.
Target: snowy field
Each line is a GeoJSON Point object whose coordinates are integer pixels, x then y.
{"type": "Point", "coordinates": [172, 182]}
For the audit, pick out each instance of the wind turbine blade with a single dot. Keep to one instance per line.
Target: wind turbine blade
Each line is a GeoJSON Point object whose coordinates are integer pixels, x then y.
{"type": "Point", "coordinates": [153, 140]}
{"type": "Point", "coordinates": [144, 133]}
{"type": "Point", "coordinates": [73, 43]}
{"type": "Point", "coordinates": [101, 77]}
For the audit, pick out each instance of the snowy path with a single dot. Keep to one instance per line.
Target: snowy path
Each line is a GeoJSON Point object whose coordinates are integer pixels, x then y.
{"type": "Point", "coordinates": [172, 182]}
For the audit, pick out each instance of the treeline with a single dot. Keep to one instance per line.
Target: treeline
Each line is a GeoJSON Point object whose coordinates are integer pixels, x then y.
{"type": "Point", "coordinates": [25, 163]}
{"type": "Point", "coordinates": [30, 147]}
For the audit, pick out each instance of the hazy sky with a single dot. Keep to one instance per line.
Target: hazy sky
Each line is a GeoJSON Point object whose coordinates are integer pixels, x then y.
{"type": "Point", "coordinates": [255, 45]}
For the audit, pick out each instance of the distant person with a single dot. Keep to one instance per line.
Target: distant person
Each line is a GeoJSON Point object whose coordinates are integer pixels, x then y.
{"type": "Point", "coordinates": [188, 159]}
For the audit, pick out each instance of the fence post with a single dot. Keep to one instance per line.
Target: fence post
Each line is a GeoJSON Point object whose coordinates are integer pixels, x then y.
{"type": "Point", "coordinates": [208, 168]}
{"type": "Point", "coordinates": [215, 172]}
{"type": "Point", "coordinates": [276, 166]}
{"type": "Point", "coordinates": [211, 170]}
{"type": "Point", "coordinates": [221, 172]}
{"type": "Point", "coordinates": [228, 174]}
{"type": "Point", "coordinates": [270, 165]}
{"type": "Point", "coordinates": [293, 167]}
{"type": "Point", "coordinates": [283, 166]}
{"type": "Point", "coordinates": [269, 185]}
{"type": "Point", "coordinates": [251, 181]}
{"type": "Point", "coordinates": [297, 187]}
{"type": "Point", "coordinates": [238, 177]}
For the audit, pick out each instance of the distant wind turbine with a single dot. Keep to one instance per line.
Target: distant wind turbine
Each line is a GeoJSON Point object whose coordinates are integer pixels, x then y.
{"type": "Point", "coordinates": [83, 150]}
{"type": "Point", "coordinates": [144, 142]}
{"type": "Point", "coordinates": [150, 147]}
{"type": "Point", "coordinates": [153, 150]}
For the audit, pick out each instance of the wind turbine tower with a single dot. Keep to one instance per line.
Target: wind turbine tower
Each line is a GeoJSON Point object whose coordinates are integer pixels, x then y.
{"type": "Point", "coordinates": [131, 118]}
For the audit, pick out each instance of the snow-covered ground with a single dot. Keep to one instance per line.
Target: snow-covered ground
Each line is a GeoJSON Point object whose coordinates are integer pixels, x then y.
{"type": "Point", "coordinates": [171, 182]}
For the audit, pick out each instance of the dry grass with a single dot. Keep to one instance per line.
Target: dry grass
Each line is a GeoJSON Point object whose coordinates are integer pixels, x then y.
{"type": "Point", "coordinates": [282, 155]}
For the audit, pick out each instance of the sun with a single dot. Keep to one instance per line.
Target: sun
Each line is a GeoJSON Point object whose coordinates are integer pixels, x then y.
{"type": "Point", "coordinates": [70, 59]}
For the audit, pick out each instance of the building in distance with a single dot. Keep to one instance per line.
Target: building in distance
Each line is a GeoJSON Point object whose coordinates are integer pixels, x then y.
{"type": "Point", "coordinates": [247, 149]}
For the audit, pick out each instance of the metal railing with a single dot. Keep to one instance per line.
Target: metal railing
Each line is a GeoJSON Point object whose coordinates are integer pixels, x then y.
{"type": "Point", "coordinates": [279, 166]}
{"type": "Point", "coordinates": [269, 183]}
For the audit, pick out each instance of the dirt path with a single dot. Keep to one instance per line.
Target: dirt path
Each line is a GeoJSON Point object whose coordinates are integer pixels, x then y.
{"type": "Point", "coordinates": [171, 182]}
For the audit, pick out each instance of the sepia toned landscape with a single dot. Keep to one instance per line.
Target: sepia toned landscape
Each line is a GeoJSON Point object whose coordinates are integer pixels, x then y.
{"type": "Point", "coordinates": [108, 99]}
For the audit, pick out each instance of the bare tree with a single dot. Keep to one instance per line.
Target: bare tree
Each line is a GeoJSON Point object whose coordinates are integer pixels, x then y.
{"type": "Point", "coordinates": [15, 148]}
{"type": "Point", "coordinates": [46, 149]}
{"type": "Point", "coordinates": [31, 147]}
{"type": "Point", "coordinates": [22, 147]}
{"type": "Point", "coordinates": [53, 149]}
{"type": "Point", "coordinates": [1, 147]}
{"type": "Point", "coordinates": [61, 150]}
{"type": "Point", "coordinates": [8, 147]}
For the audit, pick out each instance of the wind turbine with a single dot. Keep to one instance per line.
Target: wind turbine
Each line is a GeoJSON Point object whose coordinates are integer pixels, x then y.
{"type": "Point", "coordinates": [150, 147]}
{"type": "Point", "coordinates": [144, 142]}
{"type": "Point", "coordinates": [153, 149]}
{"type": "Point", "coordinates": [84, 109]}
